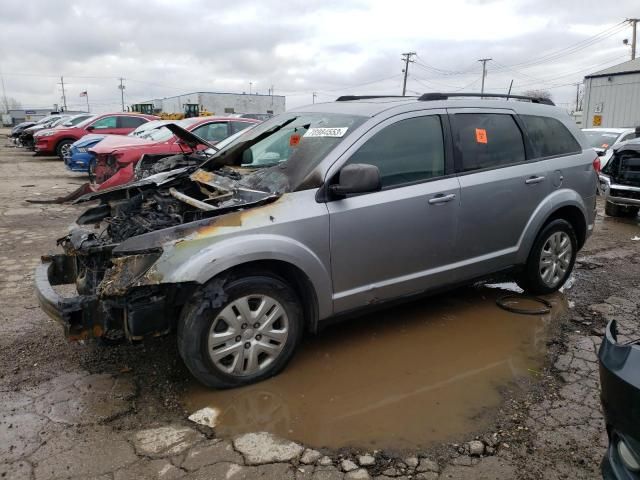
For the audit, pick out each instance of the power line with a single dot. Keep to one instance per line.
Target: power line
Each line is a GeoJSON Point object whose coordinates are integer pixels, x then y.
{"type": "Point", "coordinates": [570, 49]}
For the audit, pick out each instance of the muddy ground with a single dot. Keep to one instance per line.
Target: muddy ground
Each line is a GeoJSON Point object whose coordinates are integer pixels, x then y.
{"type": "Point", "coordinates": [86, 411]}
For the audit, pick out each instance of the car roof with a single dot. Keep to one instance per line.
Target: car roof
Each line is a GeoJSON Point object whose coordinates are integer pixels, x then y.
{"type": "Point", "coordinates": [370, 107]}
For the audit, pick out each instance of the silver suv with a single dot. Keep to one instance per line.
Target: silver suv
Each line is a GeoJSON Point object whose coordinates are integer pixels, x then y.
{"type": "Point", "coordinates": [319, 212]}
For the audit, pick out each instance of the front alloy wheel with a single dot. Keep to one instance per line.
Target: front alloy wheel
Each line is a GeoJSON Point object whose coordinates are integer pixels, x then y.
{"type": "Point", "coordinates": [240, 330]}
{"type": "Point", "coordinates": [248, 335]}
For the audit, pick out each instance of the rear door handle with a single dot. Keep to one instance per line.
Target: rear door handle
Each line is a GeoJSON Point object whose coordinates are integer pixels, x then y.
{"type": "Point", "coordinates": [532, 180]}
{"type": "Point", "coordinates": [441, 198]}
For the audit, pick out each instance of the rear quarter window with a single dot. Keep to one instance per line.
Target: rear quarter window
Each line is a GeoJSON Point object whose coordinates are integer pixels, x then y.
{"type": "Point", "coordinates": [549, 137]}
{"type": "Point", "coordinates": [131, 122]}
{"type": "Point", "coordinates": [487, 140]}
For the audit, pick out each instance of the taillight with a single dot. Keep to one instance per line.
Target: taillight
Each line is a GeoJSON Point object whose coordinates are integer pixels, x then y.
{"type": "Point", "coordinates": [596, 164]}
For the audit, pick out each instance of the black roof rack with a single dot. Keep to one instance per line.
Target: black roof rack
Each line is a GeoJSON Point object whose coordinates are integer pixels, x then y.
{"type": "Point", "coordinates": [444, 96]}
{"type": "Point", "coordinates": [348, 98]}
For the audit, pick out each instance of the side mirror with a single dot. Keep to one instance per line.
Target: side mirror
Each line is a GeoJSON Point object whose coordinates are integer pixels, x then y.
{"type": "Point", "coordinates": [357, 178]}
{"type": "Point", "coordinates": [91, 128]}
{"type": "Point", "coordinates": [601, 153]}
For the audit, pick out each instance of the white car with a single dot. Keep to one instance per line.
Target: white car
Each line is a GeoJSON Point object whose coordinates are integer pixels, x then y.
{"type": "Point", "coordinates": [604, 139]}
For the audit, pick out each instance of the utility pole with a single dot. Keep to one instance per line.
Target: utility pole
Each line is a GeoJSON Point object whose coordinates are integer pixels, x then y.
{"type": "Point", "coordinates": [484, 71]}
{"type": "Point", "coordinates": [121, 87]}
{"type": "Point", "coordinates": [64, 97]}
{"type": "Point", "coordinates": [577, 96]}
{"type": "Point", "coordinates": [250, 85]}
{"type": "Point", "coordinates": [314, 97]}
{"type": "Point", "coordinates": [634, 23]}
{"type": "Point", "coordinates": [406, 58]}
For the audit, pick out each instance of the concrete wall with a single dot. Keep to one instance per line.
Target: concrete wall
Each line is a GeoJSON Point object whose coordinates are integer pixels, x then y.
{"type": "Point", "coordinates": [218, 102]}
{"type": "Point", "coordinates": [617, 97]}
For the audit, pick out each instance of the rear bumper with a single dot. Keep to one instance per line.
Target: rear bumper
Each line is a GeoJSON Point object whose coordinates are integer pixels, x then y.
{"type": "Point", "coordinates": [78, 315]}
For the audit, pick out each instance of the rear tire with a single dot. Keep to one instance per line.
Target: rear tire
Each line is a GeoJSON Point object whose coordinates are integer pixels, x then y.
{"type": "Point", "coordinates": [62, 147]}
{"type": "Point", "coordinates": [551, 259]}
{"type": "Point", "coordinates": [238, 331]}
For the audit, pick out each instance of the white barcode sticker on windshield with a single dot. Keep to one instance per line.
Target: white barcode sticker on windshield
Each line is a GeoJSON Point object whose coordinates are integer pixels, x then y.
{"type": "Point", "coordinates": [326, 132]}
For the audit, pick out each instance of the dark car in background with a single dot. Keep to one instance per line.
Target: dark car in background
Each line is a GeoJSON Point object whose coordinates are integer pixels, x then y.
{"type": "Point", "coordinates": [17, 129]}
{"type": "Point", "coordinates": [620, 395]}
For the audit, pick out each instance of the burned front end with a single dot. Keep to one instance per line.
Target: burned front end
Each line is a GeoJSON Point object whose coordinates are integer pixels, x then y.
{"type": "Point", "coordinates": [109, 256]}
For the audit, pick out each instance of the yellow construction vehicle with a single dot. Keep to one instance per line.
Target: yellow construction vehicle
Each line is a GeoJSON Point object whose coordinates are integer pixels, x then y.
{"type": "Point", "coordinates": [190, 110]}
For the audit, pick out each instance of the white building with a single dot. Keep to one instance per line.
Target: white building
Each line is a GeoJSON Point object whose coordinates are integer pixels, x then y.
{"type": "Point", "coordinates": [612, 96]}
{"type": "Point", "coordinates": [222, 103]}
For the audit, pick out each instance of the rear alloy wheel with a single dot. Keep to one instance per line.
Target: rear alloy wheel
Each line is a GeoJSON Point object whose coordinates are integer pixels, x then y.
{"type": "Point", "coordinates": [240, 331]}
{"type": "Point", "coordinates": [551, 259]}
{"type": "Point", "coordinates": [63, 149]}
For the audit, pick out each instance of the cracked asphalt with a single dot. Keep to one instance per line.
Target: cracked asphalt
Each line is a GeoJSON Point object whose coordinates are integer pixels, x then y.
{"type": "Point", "coordinates": [89, 412]}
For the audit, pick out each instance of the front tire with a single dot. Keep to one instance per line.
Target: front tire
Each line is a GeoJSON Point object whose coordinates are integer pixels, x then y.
{"type": "Point", "coordinates": [63, 148]}
{"type": "Point", "coordinates": [551, 259]}
{"type": "Point", "coordinates": [238, 331]}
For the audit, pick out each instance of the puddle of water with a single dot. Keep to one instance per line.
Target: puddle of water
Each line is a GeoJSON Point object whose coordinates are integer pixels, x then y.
{"type": "Point", "coordinates": [398, 379]}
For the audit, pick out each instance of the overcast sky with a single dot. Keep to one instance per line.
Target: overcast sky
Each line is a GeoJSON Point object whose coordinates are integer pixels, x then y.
{"type": "Point", "coordinates": [163, 48]}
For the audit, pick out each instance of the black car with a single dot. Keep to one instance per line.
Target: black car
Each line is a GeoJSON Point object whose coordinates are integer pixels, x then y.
{"type": "Point", "coordinates": [620, 383]}
{"type": "Point", "coordinates": [19, 128]}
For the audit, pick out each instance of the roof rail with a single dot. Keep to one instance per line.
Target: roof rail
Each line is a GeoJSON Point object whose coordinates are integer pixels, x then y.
{"type": "Point", "coordinates": [444, 96]}
{"type": "Point", "coordinates": [348, 98]}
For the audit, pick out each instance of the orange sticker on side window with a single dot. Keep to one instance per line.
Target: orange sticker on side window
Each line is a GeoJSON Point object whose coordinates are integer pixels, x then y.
{"type": "Point", "coordinates": [481, 135]}
{"type": "Point", "coordinates": [294, 140]}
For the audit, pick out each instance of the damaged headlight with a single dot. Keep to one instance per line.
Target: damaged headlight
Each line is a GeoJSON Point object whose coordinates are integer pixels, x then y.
{"type": "Point", "coordinates": [126, 272]}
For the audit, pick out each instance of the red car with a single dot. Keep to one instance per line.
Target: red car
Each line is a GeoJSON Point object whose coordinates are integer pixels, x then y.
{"type": "Point", "coordinates": [58, 140]}
{"type": "Point", "coordinates": [116, 157]}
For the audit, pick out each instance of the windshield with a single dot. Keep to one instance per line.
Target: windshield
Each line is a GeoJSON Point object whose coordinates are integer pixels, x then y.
{"type": "Point", "coordinates": [147, 127]}
{"type": "Point", "coordinates": [601, 138]}
{"type": "Point", "coordinates": [86, 122]}
{"type": "Point", "coordinates": [58, 121]}
{"type": "Point", "coordinates": [163, 134]}
{"type": "Point", "coordinates": [293, 143]}
{"type": "Point", "coordinates": [75, 120]}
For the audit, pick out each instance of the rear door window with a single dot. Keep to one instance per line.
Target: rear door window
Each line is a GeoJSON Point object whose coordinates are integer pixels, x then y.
{"type": "Point", "coordinates": [407, 151]}
{"type": "Point", "coordinates": [130, 122]}
{"type": "Point", "coordinates": [487, 140]}
{"type": "Point", "coordinates": [549, 137]}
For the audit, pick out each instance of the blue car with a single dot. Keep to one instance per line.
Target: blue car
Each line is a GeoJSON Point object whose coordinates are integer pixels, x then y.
{"type": "Point", "coordinates": [80, 159]}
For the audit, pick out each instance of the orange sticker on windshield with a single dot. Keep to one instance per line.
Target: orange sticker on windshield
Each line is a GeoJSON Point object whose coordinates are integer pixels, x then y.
{"type": "Point", "coordinates": [294, 140]}
{"type": "Point", "coordinates": [481, 135]}
{"type": "Point", "coordinates": [605, 145]}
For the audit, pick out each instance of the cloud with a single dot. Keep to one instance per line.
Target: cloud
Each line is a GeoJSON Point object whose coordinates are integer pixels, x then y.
{"type": "Point", "coordinates": [331, 47]}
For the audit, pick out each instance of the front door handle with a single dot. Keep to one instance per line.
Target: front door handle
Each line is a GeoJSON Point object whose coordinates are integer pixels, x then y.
{"type": "Point", "coordinates": [532, 180]}
{"type": "Point", "coordinates": [441, 198]}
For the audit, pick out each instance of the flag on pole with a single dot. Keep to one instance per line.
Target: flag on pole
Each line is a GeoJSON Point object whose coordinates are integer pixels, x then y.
{"type": "Point", "coordinates": [83, 94]}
